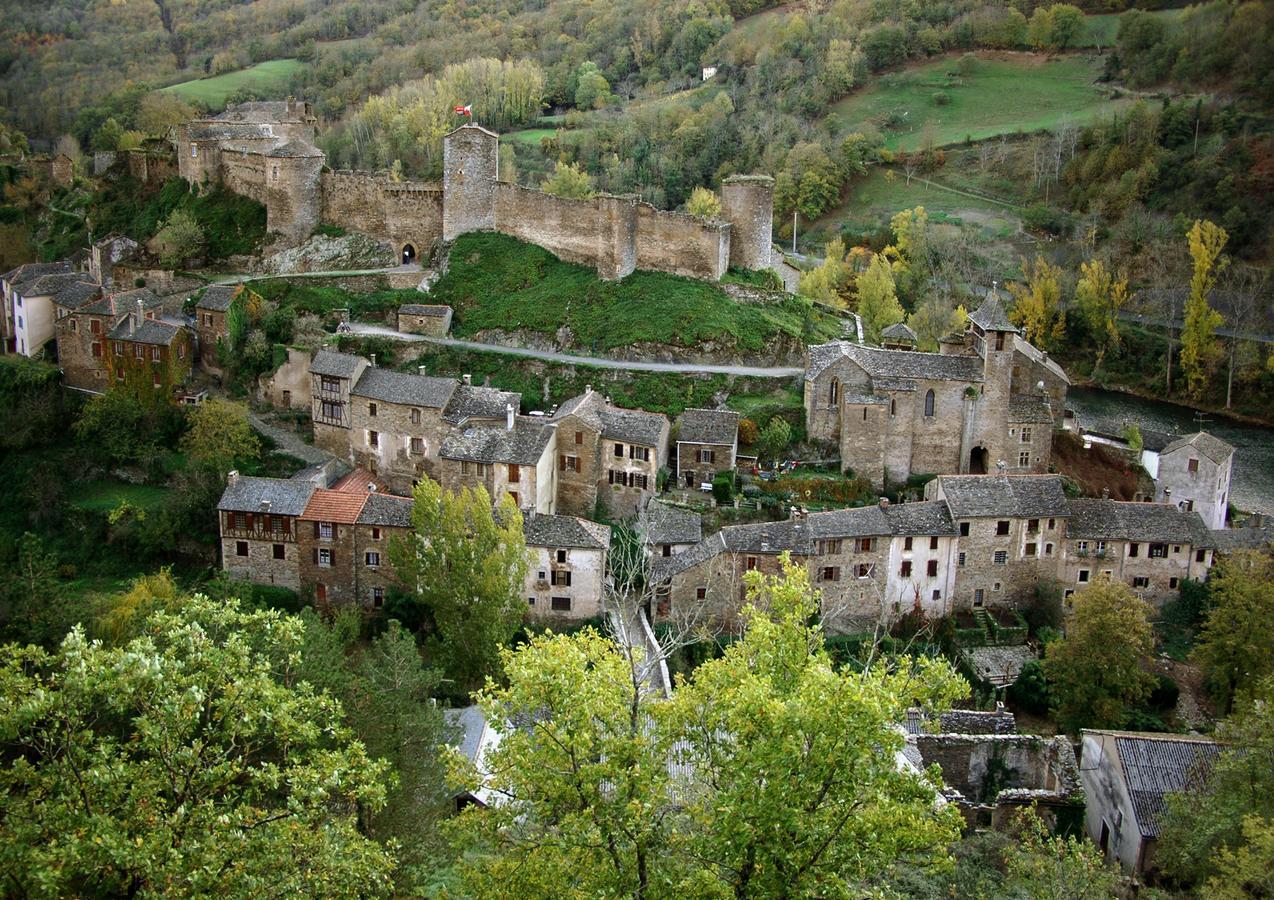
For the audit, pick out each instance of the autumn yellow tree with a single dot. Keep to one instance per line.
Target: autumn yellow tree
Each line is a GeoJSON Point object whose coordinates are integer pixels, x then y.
{"type": "Point", "coordinates": [1037, 303]}
{"type": "Point", "coordinates": [704, 203]}
{"type": "Point", "coordinates": [878, 304]}
{"type": "Point", "coordinates": [1200, 348]}
{"type": "Point", "coordinates": [1100, 296]}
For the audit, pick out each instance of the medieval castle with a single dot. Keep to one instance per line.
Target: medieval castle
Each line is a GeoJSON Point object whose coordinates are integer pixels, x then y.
{"type": "Point", "coordinates": [265, 151]}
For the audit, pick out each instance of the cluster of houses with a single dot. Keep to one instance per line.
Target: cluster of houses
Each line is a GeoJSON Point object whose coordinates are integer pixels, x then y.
{"type": "Point", "coordinates": [109, 322]}
{"type": "Point", "coordinates": [978, 539]}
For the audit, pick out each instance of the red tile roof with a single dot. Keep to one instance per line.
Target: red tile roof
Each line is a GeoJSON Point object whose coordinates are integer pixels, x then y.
{"type": "Point", "coordinates": [335, 506]}
{"type": "Point", "coordinates": [356, 482]}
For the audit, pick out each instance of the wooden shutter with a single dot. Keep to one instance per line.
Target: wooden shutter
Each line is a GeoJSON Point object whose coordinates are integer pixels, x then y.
{"type": "Point", "coordinates": [315, 552]}
{"type": "Point", "coordinates": [561, 462]}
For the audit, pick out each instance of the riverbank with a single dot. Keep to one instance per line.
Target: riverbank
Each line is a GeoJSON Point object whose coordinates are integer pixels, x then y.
{"type": "Point", "coordinates": [1221, 412]}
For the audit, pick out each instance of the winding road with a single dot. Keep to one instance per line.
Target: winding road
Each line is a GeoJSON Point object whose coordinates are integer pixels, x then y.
{"type": "Point", "coordinates": [571, 360]}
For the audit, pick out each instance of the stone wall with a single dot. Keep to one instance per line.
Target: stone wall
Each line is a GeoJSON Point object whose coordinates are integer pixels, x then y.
{"type": "Point", "coordinates": [470, 167]}
{"type": "Point", "coordinates": [747, 203]}
{"type": "Point", "coordinates": [289, 386]}
{"type": "Point", "coordinates": [404, 212]}
{"type": "Point", "coordinates": [594, 232]}
{"type": "Point", "coordinates": [683, 245]}
{"type": "Point", "coordinates": [587, 572]}
{"type": "Point", "coordinates": [434, 321]}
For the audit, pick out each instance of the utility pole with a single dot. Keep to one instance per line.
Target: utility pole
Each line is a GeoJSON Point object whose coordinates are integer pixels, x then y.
{"type": "Point", "coordinates": [793, 232]}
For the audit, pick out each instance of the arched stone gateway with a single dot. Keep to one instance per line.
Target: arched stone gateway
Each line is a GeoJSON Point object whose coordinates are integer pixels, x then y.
{"type": "Point", "coordinates": [409, 254]}
{"type": "Point", "coordinates": [978, 461]}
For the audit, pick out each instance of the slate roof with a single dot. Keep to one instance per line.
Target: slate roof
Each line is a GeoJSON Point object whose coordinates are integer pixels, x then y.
{"type": "Point", "coordinates": [523, 444]}
{"type": "Point", "coordinates": [217, 297]}
{"type": "Point", "coordinates": [633, 426]}
{"type": "Point", "coordinates": [901, 365]}
{"type": "Point", "coordinates": [1252, 537]}
{"type": "Point", "coordinates": [50, 285]}
{"type": "Point", "coordinates": [469, 402]}
{"type": "Point", "coordinates": [564, 531]}
{"type": "Point", "coordinates": [662, 523]}
{"type": "Point", "coordinates": [1004, 496]}
{"type": "Point", "coordinates": [925, 517]}
{"type": "Point", "coordinates": [1154, 440]}
{"type": "Point", "coordinates": [28, 272]}
{"type": "Point", "coordinates": [123, 302]}
{"type": "Point", "coordinates": [665, 567]}
{"type": "Point", "coordinates": [471, 723]}
{"type": "Point", "coordinates": [990, 316]}
{"type": "Point", "coordinates": [286, 496]}
{"type": "Point", "coordinates": [78, 293]}
{"type": "Point", "coordinates": [399, 387]}
{"type": "Point", "coordinates": [1154, 766]}
{"type": "Point", "coordinates": [708, 426]}
{"type": "Point", "coordinates": [148, 332]}
{"type": "Point", "coordinates": [1212, 447]}
{"type": "Point", "coordinates": [1029, 409]}
{"type": "Point", "coordinates": [1124, 520]}
{"type": "Point", "coordinates": [386, 510]}
{"type": "Point", "coordinates": [899, 332]}
{"type": "Point", "coordinates": [342, 507]}
{"type": "Point", "coordinates": [258, 111]}
{"type": "Point", "coordinates": [424, 309]}
{"type": "Point", "coordinates": [629, 425]}
{"type": "Point", "coordinates": [340, 365]}
{"type": "Point", "coordinates": [296, 149]}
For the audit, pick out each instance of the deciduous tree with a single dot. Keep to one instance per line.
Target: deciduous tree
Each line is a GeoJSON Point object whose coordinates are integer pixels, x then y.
{"type": "Point", "coordinates": [704, 203]}
{"type": "Point", "coordinates": [1200, 349]}
{"type": "Point", "coordinates": [219, 436]}
{"type": "Point", "coordinates": [878, 304]}
{"type": "Point", "coordinates": [570, 181]}
{"type": "Point", "coordinates": [1100, 668]}
{"type": "Point", "coordinates": [464, 565]}
{"type": "Point", "coordinates": [1037, 303]}
{"type": "Point", "coordinates": [185, 763]}
{"type": "Point", "coordinates": [1100, 296]}
{"type": "Point", "coordinates": [1235, 648]}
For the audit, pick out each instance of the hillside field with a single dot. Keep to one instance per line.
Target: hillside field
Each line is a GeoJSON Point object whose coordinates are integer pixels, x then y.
{"type": "Point", "coordinates": [212, 92]}
{"type": "Point", "coordinates": [998, 93]}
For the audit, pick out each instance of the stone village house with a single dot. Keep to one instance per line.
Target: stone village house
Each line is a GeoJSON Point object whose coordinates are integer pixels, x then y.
{"type": "Point", "coordinates": [707, 444]}
{"type": "Point", "coordinates": [30, 294]}
{"type": "Point", "coordinates": [988, 402]}
{"type": "Point", "coordinates": [976, 541]}
{"type": "Point", "coordinates": [210, 322]}
{"type": "Point", "coordinates": [333, 543]}
{"type": "Point", "coordinates": [1194, 472]}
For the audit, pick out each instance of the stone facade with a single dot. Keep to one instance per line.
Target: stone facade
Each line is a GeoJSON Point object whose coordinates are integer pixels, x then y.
{"type": "Point", "coordinates": [991, 406]}
{"type": "Point", "coordinates": [1194, 473]}
{"type": "Point", "coordinates": [210, 322]}
{"type": "Point", "coordinates": [260, 529]}
{"type": "Point", "coordinates": [747, 203]}
{"type": "Point", "coordinates": [421, 318]}
{"type": "Point", "coordinates": [289, 386]}
{"type": "Point", "coordinates": [707, 443]}
{"type": "Point", "coordinates": [470, 168]}
{"type": "Point", "coordinates": [976, 541]}
{"type": "Point", "coordinates": [567, 574]}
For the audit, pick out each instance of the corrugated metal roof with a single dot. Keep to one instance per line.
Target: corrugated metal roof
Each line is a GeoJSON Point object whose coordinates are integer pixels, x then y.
{"type": "Point", "coordinates": [1154, 767]}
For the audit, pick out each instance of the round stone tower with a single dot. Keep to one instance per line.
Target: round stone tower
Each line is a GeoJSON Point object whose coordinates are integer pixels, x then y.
{"type": "Point", "coordinates": [747, 203]}
{"type": "Point", "coordinates": [470, 168]}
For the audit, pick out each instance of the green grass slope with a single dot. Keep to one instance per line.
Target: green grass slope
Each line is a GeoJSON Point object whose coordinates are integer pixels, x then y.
{"type": "Point", "coordinates": [999, 94]}
{"type": "Point", "coordinates": [271, 75]}
{"type": "Point", "coordinates": [497, 282]}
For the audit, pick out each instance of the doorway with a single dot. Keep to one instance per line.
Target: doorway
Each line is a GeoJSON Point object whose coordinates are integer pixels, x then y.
{"type": "Point", "coordinates": [977, 461]}
{"type": "Point", "coordinates": [409, 254]}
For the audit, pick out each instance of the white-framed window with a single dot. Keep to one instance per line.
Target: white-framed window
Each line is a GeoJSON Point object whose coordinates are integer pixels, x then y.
{"type": "Point", "coordinates": [325, 558]}
{"type": "Point", "coordinates": [1024, 458]}
{"type": "Point", "coordinates": [372, 558]}
{"type": "Point", "coordinates": [325, 531]}
{"type": "Point", "coordinates": [1083, 576]}
{"type": "Point", "coordinates": [1026, 435]}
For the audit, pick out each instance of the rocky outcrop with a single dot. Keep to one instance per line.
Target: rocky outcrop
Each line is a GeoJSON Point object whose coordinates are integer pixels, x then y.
{"type": "Point", "coordinates": [320, 253]}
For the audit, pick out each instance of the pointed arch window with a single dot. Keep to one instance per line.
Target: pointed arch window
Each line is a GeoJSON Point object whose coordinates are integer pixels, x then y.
{"type": "Point", "coordinates": [929, 404]}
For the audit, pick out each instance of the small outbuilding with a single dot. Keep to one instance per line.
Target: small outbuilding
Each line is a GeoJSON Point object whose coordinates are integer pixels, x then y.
{"type": "Point", "coordinates": [421, 318]}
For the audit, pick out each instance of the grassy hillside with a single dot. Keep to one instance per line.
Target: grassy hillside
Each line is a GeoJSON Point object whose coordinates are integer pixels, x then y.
{"type": "Point", "coordinates": [497, 282]}
{"type": "Point", "coordinates": [266, 77]}
{"type": "Point", "coordinates": [993, 95]}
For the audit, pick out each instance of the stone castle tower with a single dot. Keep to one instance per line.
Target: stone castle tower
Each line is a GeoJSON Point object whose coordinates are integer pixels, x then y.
{"type": "Point", "coordinates": [470, 169]}
{"type": "Point", "coordinates": [747, 203]}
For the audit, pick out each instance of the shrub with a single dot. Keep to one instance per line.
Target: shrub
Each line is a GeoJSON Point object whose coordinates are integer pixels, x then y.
{"type": "Point", "coordinates": [1048, 219]}
{"type": "Point", "coordinates": [1030, 691]}
{"type": "Point", "coordinates": [748, 432]}
{"type": "Point", "coordinates": [941, 98]}
{"type": "Point", "coordinates": [723, 487]}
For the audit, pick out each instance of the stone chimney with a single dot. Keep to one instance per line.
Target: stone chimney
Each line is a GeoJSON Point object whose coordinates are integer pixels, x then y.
{"type": "Point", "coordinates": [508, 416]}
{"type": "Point", "coordinates": [265, 506]}
{"type": "Point", "coordinates": [135, 321]}
{"type": "Point", "coordinates": [1105, 493]}
{"type": "Point", "coordinates": [588, 389]}
{"type": "Point", "coordinates": [884, 503]}
{"type": "Point", "coordinates": [466, 378]}
{"type": "Point", "coordinates": [1167, 495]}
{"type": "Point", "coordinates": [373, 359]}
{"type": "Point", "coordinates": [232, 476]}
{"type": "Point", "coordinates": [420, 370]}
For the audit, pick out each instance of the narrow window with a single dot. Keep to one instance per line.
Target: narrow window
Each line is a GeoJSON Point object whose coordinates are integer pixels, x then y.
{"type": "Point", "coordinates": [929, 404]}
{"type": "Point", "coordinates": [932, 569]}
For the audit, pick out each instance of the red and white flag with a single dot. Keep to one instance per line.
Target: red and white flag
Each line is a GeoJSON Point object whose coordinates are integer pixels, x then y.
{"type": "Point", "coordinates": [466, 110]}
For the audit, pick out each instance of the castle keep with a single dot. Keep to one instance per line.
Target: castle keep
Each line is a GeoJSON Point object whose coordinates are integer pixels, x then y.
{"type": "Point", "coordinates": [265, 151]}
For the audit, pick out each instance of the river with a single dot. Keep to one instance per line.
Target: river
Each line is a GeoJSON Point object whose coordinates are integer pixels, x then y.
{"type": "Point", "coordinates": [1252, 486]}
